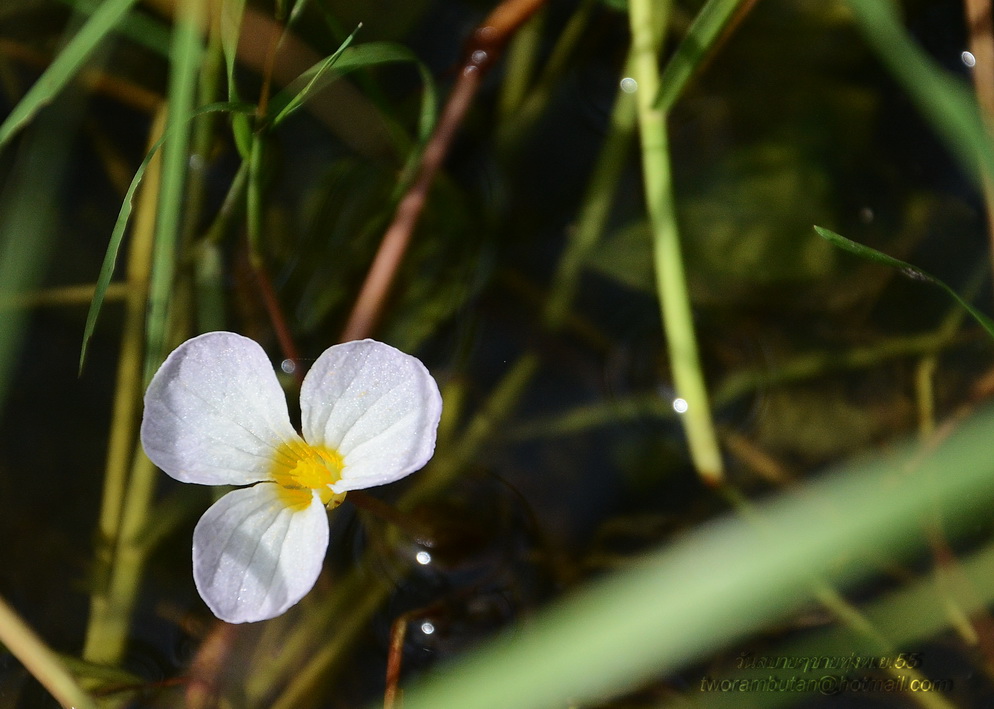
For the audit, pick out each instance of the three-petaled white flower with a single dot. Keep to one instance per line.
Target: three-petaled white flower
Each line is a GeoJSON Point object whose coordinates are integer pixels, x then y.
{"type": "Point", "coordinates": [216, 415]}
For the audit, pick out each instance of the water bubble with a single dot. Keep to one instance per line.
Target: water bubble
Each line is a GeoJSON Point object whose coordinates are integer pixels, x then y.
{"type": "Point", "coordinates": [968, 59]}
{"type": "Point", "coordinates": [680, 405]}
{"type": "Point", "coordinates": [427, 628]}
{"type": "Point", "coordinates": [629, 85]}
{"type": "Point", "coordinates": [288, 366]}
{"type": "Point", "coordinates": [423, 558]}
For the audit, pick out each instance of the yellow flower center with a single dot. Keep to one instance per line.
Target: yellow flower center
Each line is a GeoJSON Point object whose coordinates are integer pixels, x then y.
{"type": "Point", "coordinates": [299, 468]}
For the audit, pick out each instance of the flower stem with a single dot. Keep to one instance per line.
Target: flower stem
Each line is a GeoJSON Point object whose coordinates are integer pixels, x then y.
{"type": "Point", "coordinates": [648, 18]}
{"type": "Point", "coordinates": [102, 644]}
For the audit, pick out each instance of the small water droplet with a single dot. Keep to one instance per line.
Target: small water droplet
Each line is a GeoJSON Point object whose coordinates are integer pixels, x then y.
{"type": "Point", "coordinates": [423, 558]}
{"type": "Point", "coordinates": [680, 405]}
{"type": "Point", "coordinates": [968, 59]}
{"type": "Point", "coordinates": [629, 85]}
{"type": "Point", "coordinates": [427, 628]}
{"type": "Point", "coordinates": [288, 366]}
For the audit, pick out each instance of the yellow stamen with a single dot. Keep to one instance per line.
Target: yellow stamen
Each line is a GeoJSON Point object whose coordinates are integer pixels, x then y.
{"type": "Point", "coordinates": [299, 469]}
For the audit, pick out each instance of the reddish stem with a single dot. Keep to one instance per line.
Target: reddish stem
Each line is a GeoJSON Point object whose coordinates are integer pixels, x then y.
{"type": "Point", "coordinates": [486, 43]}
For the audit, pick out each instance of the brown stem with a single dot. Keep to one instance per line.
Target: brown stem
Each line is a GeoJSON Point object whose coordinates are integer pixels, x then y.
{"type": "Point", "coordinates": [397, 632]}
{"type": "Point", "coordinates": [268, 294]}
{"type": "Point", "coordinates": [485, 45]}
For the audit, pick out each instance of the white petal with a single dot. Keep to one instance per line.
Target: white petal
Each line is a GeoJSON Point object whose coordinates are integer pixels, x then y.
{"type": "Point", "coordinates": [374, 404]}
{"type": "Point", "coordinates": [215, 413]}
{"type": "Point", "coordinates": [254, 557]}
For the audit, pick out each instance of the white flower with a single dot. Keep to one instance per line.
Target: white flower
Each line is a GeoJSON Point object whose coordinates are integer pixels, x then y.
{"type": "Point", "coordinates": [216, 415]}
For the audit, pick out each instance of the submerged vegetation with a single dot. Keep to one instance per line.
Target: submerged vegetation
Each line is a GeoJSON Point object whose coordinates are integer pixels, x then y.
{"type": "Point", "coordinates": [703, 285]}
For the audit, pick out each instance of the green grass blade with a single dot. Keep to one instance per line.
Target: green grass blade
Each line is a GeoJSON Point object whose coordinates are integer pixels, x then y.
{"type": "Point", "coordinates": [185, 54]}
{"type": "Point", "coordinates": [144, 30]}
{"type": "Point", "coordinates": [313, 80]}
{"type": "Point", "coordinates": [65, 66]}
{"type": "Point", "coordinates": [28, 223]}
{"type": "Point", "coordinates": [124, 215]}
{"type": "Point", "coordinates": [232, 12]}
{"type": "Point", "coordinates": [865, 252]}
{"type": "Point", "coordinates": [352, 59]}
{"type": "Point", "coordinates": [694, 48]}
{"type": "Point", "coordinates": [648, 22]}
{"type": "Point", "coordinates": [943, 99]}
{"type": "Point", "coordinates": [296, 12]}
{"type": "Point", "coordinates": [40, 660]}
{"type": "Point", "coordinates": [720, 583]}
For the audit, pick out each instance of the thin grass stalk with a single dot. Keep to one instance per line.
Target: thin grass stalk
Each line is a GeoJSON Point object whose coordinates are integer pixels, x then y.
{"type": "Point", "coordinates": [274, 669]}
{"type": "Point", "coordinates": [481, 429]}
{"type": "Point", "coordinates": [804, 366]}
{"type": "Point", "coordinates": [715, 20]}
{"type": "Point", "coordinates": [594, 212]}
{"type": "Point", "coordinates": [38, 659]}
{"type": "Point", "coordinates": [202, 139]}
{"type": "Point", "coordinates": [65, 66]}
{"type": "Point", "coordinates": [515, 123]}
{"type": "Point", "coordinates": [59, 296]}
{"type": "Point", "coordinates": [647, 21]}
{"type": "Point", "coordinates": [522, 53]}
{"type": "Point", "coordinates": [314, 672]}
{"type": "Point", "coordinates": [105, 636]}
{"type": "Point", "coordinates": [185, 55]}
{"type": "Point", "coordinates": [28, 224]}
{"type": "Point", "coordinates": [130, 556]}
{"type": "Point", "coordinates": [940, 97]}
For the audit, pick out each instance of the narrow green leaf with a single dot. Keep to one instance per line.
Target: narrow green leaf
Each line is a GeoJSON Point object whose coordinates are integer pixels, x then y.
{"type": "Point", "coordinates": [144, 30]}
{"type": "Point", "coordinates": [185, 53]}
{"type": "Point", "coordinates": [352, 59]}
{"type": "Point", "coordinates": [865, 252]}
{"type": "Point", "coordinates": [65, 66]}
{"type": "Point", "coordinates": [943, 99]}
{"type": "Point", "coordinates": [117, 234]}
{"type": "Point", "coordinates": [694, 48]}
{"type": "Point", "coordinates": [296, 12]}
{"type": "Point", "coordinates": [232, 12]}
{"type": "Point", "coordinates": [28, 222]}
{"type": "Point", "coordinates": [313, 80]}
{"type": "Point", "coordinates": [253, 200]}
